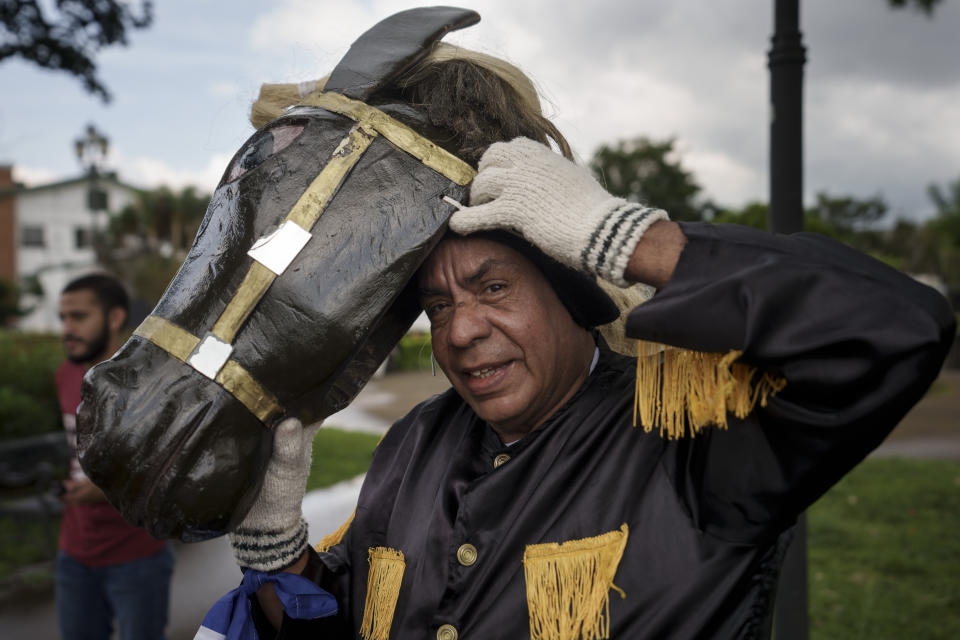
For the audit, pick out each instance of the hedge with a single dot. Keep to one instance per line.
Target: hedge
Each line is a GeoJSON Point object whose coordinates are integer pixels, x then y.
{"type": "Point", "coordinates": [28, 397]}
{"type": "Point", "coordinates": [412, 354]}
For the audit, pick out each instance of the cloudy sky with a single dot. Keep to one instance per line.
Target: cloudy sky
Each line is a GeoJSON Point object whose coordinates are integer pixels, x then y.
{"type": "Point", "coordinates": [882, 87]}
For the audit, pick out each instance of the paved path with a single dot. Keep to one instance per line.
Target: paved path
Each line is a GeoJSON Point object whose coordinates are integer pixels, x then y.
{"type": "Point", "coordinates": [205, 571]}
{"type": "Point", "coordinates": [932, 428]}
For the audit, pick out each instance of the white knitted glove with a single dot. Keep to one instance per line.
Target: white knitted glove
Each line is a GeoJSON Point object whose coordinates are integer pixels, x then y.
{"type": "Point", "coordinates": [523, 186]}
{"type": "Point", "coordinates": [273, 535]}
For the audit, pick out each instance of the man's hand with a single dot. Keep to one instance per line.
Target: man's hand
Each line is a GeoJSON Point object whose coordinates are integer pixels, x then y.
{"type": "Point", "coordinates": [273, 535]}
{"type": "Point", "coordinates": [523, 186]}
{"type": "Point", "coordinates": [81, 490]}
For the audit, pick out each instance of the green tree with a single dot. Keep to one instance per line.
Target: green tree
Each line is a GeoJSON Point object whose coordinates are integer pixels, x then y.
{"type": "Point", "coordinates": [915, 246]}
{"type": "Point", "coordinates": [848, 212]}
{"type": "Point", "coordinates": [947, 202]}
{"type": "Point", "coordinates": [648, 171]}
{"type": "Point", "coordinates": [753, 214]}
{"type": "Point", "coordinates": [149, 239]}
{"type": "Point", "coordinates": [163, 219]}
{"type": "Point", "coordinates": [823, 218]}
{"type": "Point", "coordinates": [944, 232]}
{"type": "Point", "coordinates": [923, 6]}
{"type": "Point", "coordinates": [66, 35]}
{"type": "Point", "coordinates": [11, 298]}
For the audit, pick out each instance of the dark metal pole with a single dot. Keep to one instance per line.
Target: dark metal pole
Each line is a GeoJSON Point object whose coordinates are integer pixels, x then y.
{"type": "Point", "coordinates": [786, 59]}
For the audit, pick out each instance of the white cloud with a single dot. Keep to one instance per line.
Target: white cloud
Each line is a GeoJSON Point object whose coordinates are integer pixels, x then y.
{"type": "Point", "coordinates": [225, 89]}
{"type": "Point", "coordinates": [33, 176]}
{"type": "Point", "coordinates": [725, 180]}
{"type": "Point", "coordinates": [622, 102]}
{"type": "Point", "coordinates": [150, 172]}
{"type": "Point", "coordinates": [869, 137]}
{"type": "Point", "coordinates": [325, 29]}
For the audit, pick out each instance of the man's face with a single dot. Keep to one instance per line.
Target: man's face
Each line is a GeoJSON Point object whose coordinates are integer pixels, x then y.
{"type": "Point", "coordinates": [86, 331]}
{"type": "Point", "coordinates": [500, 334]}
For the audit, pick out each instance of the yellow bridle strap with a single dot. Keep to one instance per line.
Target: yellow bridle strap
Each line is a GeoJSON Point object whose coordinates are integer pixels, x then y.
{"type": "Point", "coordinates": [180, 343]}
{"type": "Point", "coordinates": [254, 285]}
{"type": "Point", "coordinates": [402, 136]}
{"type": "Point", "coordinates": [238, 381]}
{"type": "Point", "coordinates": [314, 200]}
{"type": "Point", "coordinates": [305, 212]}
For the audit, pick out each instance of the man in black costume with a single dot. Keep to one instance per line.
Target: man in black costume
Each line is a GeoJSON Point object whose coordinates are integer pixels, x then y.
{"type": "Point", "coordinates": [524, 503]}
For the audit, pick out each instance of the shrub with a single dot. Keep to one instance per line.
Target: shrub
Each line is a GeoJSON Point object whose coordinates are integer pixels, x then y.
{"type": "Point", "coordinates": [28, 397]}
{"type": "Point", "coordinates": [412, 354]}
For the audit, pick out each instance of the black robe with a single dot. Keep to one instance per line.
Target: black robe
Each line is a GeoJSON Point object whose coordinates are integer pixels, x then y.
{"type": "Point", "coordinates": [858, 344]}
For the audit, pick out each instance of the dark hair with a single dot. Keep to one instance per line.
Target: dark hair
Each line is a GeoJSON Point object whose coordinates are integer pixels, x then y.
{"type": "Point", "coordinates": [473, 99]}
{"type": "Point", "coordinates": [478, 106]}
{"type": "Point", "coordinates": [109, 292]}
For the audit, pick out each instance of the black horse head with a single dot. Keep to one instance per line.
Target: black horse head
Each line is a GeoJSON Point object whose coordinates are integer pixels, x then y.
{"type": "Point", "coordinates": [296, 288]}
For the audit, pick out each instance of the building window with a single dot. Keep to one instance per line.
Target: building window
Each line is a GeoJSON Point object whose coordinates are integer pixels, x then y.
{"type": "Point", "coordinates": [81, 238]}
{"type": "Point", "coordinates": [32, 236]}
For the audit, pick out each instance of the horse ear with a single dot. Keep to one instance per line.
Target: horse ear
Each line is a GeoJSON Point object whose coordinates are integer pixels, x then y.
{"type": "Point", "coordinates": [392, 46]}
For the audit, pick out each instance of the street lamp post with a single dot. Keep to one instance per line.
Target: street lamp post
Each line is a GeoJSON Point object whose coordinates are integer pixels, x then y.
{"type": "Point", "coordinates": [91, 150]}
{"type": "Point", "coordinates": [786, 60]}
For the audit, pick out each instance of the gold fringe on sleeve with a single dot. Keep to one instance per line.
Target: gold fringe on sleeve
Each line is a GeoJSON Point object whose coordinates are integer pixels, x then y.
{"type": "Point", "coordinates": [677, 388]}
{"type": "Point", "coordinates": [333, 539]}
{"type": "Point", "coordinates": [568, 586]}
{"type": "Point", "coordinates": [383, 590]}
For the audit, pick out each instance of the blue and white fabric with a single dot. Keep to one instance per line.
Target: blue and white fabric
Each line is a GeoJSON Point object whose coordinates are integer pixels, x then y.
{"type": "Point", "coordinates": [230, 618]}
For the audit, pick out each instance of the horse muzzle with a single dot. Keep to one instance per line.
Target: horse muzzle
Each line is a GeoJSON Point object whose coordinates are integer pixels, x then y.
{"type": "Point", "coordinates": [173, 451]}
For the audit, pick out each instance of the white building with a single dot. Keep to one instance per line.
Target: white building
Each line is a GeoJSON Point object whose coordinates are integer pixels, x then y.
{"type": "Point", "coordinates": [46, 233]}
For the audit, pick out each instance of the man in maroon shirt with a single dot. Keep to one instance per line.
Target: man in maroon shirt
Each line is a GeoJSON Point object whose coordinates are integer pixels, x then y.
{"type": "Point", "coordinates": [106, 569]}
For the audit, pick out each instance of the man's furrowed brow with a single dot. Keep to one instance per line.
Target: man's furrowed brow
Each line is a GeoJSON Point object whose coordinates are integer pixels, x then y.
{"type": "Point", "coordinates": [430, 292]}
{"type": "Point", "coordinates": [470, 279]}
{"type": "Point", "coordinates": [483, 269]}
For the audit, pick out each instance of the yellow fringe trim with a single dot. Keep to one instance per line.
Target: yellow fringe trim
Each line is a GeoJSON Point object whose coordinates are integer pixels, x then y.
{"type": "Point", "coordinates": [568, 586]}
{"type": "Point", "coordinates": [383, 590]}
{"type": "Point", "coordinates": [677, 388]}
{"type": "Point", "coordinates": [333, 539]}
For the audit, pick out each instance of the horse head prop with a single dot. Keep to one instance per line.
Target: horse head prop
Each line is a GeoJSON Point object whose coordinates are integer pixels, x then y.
{"type": "Point", "coordinates": [296, 288]}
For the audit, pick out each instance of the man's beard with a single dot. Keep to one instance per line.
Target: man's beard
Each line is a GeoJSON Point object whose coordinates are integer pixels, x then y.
{"type": "Point", "coordinates": [95, 348]}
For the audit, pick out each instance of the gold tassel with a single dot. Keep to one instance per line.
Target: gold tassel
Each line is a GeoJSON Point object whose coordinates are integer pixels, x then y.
{"type": "Point", "coordinates": [568, 586]}
{"type": "Point", "coordinates": [677, 387]}
{"type": "Point", "coordinates": [333, 539]}
{"type": "Point", "coordinates": [383, 590]}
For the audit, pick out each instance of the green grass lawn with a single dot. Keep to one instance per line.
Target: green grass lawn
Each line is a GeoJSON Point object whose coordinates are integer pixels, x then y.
{"type": "Point", "coordinates": [339, 455]}
{"type": "Point", "coordinates": [885, 553]}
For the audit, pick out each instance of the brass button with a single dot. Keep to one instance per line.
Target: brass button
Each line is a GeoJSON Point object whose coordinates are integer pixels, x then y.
{"type": "Point", "coordinates": [467, 554]}
{"type": "Point", "coordinates": [447, 632]}
{"type": "Point", "coordinates": [500, 459]}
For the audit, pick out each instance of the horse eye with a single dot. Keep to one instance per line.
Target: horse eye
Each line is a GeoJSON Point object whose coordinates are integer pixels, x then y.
{"type": "Point", "coordinates": [260, 148]}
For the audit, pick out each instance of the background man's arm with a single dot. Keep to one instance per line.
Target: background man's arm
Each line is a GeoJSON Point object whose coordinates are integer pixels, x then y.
{"type": "Point", "coordinates": [76, 491]}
